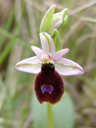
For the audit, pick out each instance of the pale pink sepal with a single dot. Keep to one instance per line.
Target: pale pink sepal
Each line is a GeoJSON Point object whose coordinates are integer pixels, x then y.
{"type": "Point", "coordinates": [47, 43]}
{"type": "Point", "coordinates": [39, 52]}
{"type": "Point", "coordinates": [30, 65]}
{"type": "Point", "coordinates": [68, 67]}
{"type": "Point", "coordinates": [58, 55]}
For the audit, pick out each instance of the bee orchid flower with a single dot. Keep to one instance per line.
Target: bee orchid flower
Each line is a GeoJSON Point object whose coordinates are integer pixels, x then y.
{"type": "Point", "coordinates": [49, 64]}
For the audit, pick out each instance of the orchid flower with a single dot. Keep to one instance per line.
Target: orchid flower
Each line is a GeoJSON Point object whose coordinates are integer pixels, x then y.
{"type": "Point", "coordinates": [49, 64]}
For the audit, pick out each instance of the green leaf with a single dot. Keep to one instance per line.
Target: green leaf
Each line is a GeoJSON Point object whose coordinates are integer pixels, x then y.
{"type": "Point", "coordinates": [56, 39]}
{"type": "Point", "coordinates": [7, 25]}
{"type": "Point", "coordinates": [5, 33]}
{"type": "Point", "coordinates": [62, 113]}
{"type": "Point", "coordinates": [11, 36]}
{"type": "Point", "coordinates": [39, 113]}
{"type": "Point", "coordinates": [2, 93]}
{"type": "Point", "coordinates": [47, 20]}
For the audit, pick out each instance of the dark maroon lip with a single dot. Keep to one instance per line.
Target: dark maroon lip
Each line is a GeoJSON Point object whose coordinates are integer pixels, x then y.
{"type": "Point", "coordinates": [48, 84]}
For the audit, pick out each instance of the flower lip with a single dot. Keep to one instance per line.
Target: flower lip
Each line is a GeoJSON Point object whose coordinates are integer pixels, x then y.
{"type": "Point", "coordinates": [48, 85]}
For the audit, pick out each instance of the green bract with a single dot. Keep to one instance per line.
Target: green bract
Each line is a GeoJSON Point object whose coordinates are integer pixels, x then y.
{"type": "Point", "coordinates": [56, 39]}
{"type": "Point", "coordinates": [47, 20]}
{"type": "Point", "coordinates": [65, 21]}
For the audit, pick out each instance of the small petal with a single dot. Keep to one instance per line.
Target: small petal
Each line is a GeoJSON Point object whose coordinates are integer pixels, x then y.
{"type": "Point", "coordinates": [30, 65]}
{"type": "Point", "coordinates": [38, 51]}
{"type": "Point", "coordinates": [47, 43]}
{"type": "Point", "coordinates": [68, 67]}
{"type": "Point", "coordinates": [58, 55]}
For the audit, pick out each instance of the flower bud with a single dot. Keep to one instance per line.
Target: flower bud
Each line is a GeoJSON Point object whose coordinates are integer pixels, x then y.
{"type": "Point", "coordinates": [58, 20]}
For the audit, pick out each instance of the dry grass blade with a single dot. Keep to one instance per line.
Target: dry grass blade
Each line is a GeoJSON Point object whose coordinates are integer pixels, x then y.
{"type": "Point", "coordinates": [72, 30]}
{"type": "Point", "coordinates": [37, 6]}
{"type": "Point", "coordinates": [90, 67]}
{"type": "Point", "coordinates": [17, 10]}
{"type": "Point", "coordinates": [85, 127]}
{"type": "Point", "coordinates": [88, 19]}
{"type": "Point", "coordinates": [82, 7]}
{"type": "Point", "coordinates": [85, 37]}
{"type": "Point", "coordinates": [31, 20]}
{"type": "Point", "coordinates": [9, 122]}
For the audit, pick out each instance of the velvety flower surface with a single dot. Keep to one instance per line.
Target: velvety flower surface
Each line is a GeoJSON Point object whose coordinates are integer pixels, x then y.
{"type": "Point", "coordinates": [48, 64]}
{"type": "Point", "coordinates": [48, 84]}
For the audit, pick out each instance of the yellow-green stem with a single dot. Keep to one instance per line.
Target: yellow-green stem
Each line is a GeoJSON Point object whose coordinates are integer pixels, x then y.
{"type": "Point", "coordinates": [49, 114]}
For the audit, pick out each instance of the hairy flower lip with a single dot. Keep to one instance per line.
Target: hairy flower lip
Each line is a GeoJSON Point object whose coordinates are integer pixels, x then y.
{"type": "Point", "coordinates": [48, 85]}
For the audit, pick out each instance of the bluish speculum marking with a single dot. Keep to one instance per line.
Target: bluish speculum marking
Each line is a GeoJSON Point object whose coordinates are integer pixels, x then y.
{"type": "Point", "coordinates": [46, 88]}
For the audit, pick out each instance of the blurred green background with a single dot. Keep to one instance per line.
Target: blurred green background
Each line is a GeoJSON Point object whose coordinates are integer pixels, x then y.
{"type": "Point", "coordinates": [19, 29]}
